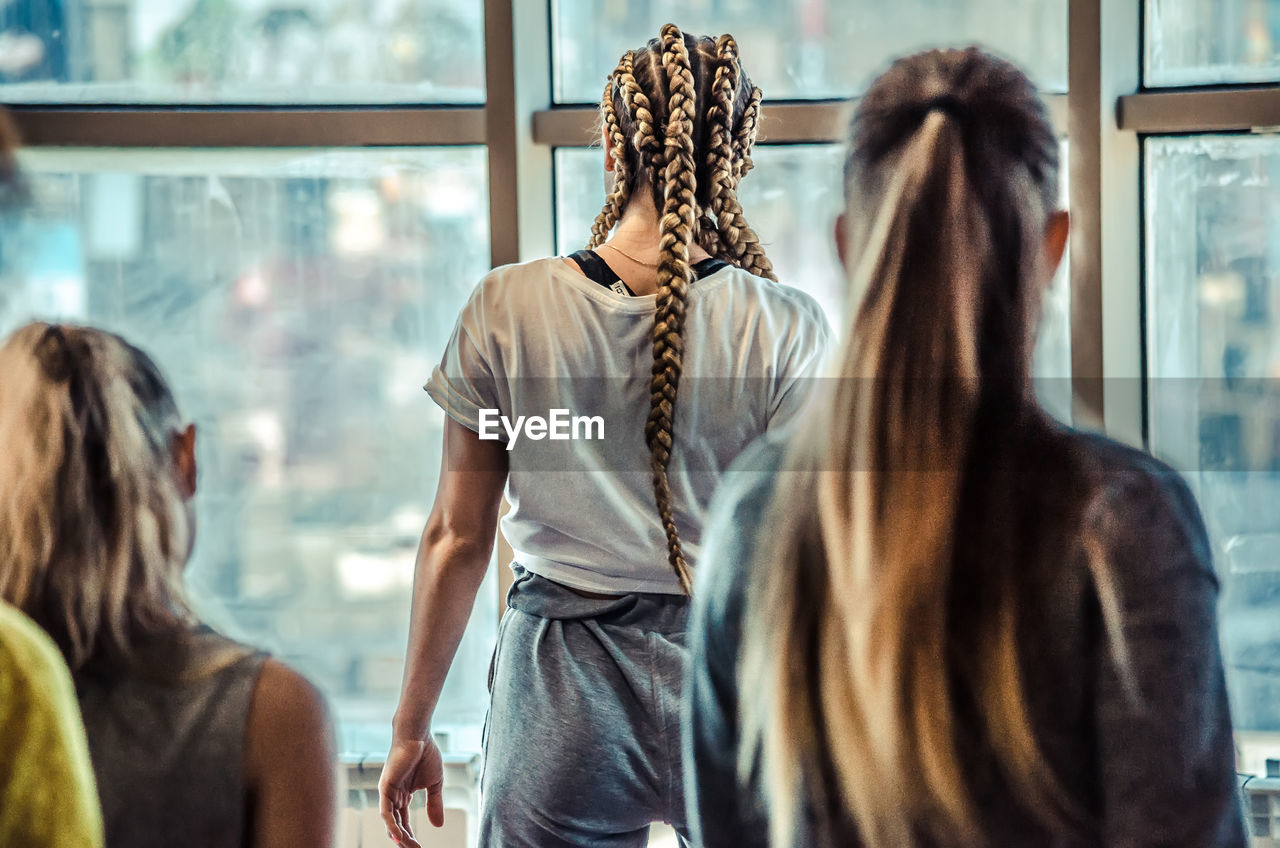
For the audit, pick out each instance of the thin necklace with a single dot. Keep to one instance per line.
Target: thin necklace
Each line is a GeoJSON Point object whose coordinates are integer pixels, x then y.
{"type": "Point", "coordinates": [622, 252]}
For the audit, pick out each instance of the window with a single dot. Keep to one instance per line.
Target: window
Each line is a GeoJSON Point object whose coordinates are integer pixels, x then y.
{"type": "Point", "coordinates": [809, 49]}
{"type": "Point", "coordinates": [792, 199]}
{"type": "Point", "coordinates": [1211, 275]}
{"type": "Point", "coordinates": [296, 300]}
{"type": "Point", "coordinates": [1213, 295]}
{"type": "Point", "coordinates": [794, 226]}
{"type": "Point", "coordinates": [241, 51]}
{"type": "Point", "coordinates": [1194, 42]}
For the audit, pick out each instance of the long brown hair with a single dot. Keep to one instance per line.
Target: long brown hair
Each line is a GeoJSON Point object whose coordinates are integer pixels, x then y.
{"type": "Point", "coordinates": [883, 635]}
{"type": "Point", "coordinates": [681, 116]}
{"type": "Point", "coordinates": [94, 530]}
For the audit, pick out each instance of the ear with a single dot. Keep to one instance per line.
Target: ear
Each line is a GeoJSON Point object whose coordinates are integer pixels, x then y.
{"type": "Point", "coordinates": [1056, 234]}
{"type": "Point", "coordinates": [841, 235]}
{"type": "Point", "coordinates": [608, 154]}
{"type": "Point", "coordinates": [184, 459]}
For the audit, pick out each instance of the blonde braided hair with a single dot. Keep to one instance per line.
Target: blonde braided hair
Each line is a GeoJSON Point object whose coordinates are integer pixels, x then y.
{"type": "Point", "coordinates": [739, 243]}
{"type": "Point", "coordinates": [637, 107]}
{"type": "Point", "coordinates": [720, 156]}
{"type": "Point", "coordinates": [617, 199]}
{"type": "Point", "coordinates": [744, 138]}
{"type": "Point", "coordinates": [679, 216]}
{"type": "Point", "coordinates": [719, 159]}
{"type": "Point", "coordinates": [680, 117]}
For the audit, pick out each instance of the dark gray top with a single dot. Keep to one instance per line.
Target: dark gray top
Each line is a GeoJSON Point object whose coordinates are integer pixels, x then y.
{"type": "Point", "coordinates": [168, 744]}
{"type": "Point", "coordinates": [1163, 776]}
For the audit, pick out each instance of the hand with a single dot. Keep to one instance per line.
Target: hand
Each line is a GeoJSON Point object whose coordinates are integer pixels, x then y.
{"type": "Point", "coordinates": [412, 764]}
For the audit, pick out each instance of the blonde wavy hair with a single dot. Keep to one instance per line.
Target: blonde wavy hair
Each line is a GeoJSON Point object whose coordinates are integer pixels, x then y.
{"type": "Point", "coordinates": [681, 116]}
{"type": "Point", "coordinates": [94, 528]}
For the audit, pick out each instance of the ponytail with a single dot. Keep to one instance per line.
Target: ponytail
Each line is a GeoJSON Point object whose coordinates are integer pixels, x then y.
{"type": "Point", "coordinates": [94, 533]}
{"type": "Point", "coordinates": [854, 624]}
{"type": "Point", "coordinates": [885, 523]}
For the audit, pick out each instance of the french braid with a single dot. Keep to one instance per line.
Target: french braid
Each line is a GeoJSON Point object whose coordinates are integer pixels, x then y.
{"type": "Point", "coordinates": [719, 159]}
{"type": "Point", "coordinates": [745, 137]}
{"type": "Point", "coordinates": [708, 236]}
{"type": "Point", "coordinates": [739, 243]}
{"type": "Point", "coordinates": [638, 108]}
{"type": "Point", "coordinates": [617, 199]}
{"type": "Point", "coordinates": [679, 212]}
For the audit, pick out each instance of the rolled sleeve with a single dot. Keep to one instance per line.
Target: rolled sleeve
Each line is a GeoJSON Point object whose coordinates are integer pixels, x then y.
{"type": "Point", "coordinates": [798, 371]}
{"type": "Point", "coordinates": [463, 384]}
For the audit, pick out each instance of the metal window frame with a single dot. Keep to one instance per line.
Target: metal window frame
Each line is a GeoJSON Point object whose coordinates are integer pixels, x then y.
{"type": "Point", "coordinates": [1111, 113]}
{"type": "Point", "coordinates": [1104, 169]}
{"type": "Point", "coordinates": [220, 126]}
{"type": "Point", "coordinates": [781, 122]}
{"type": "Point", "coordinates": [1105, 114]}
{"type": "Point", "coordinates": [1241, 109]}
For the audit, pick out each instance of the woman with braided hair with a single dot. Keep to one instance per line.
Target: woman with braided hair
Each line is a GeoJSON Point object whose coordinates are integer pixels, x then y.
{"type": "Point", "coordinates": [671, 334]}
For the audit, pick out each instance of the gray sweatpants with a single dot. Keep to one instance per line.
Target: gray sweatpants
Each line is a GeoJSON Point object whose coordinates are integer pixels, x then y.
{"type": "Point", "coordinates": [582, 740]}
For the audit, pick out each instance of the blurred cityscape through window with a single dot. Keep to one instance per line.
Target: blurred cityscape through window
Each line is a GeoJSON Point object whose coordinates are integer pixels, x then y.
{"type": "Point", "coordinates": [792, 199]}
{"type": "Point", "coordinates": [1202, 42]}
{"type": "Point", "coordinates": [242, 51]}
{"type": "Point", "coordinates": [808, 49]}
{"type": "Point", "coordinates": [1213, 295]}
{"type": "Point", "coordinates": [297, 301]}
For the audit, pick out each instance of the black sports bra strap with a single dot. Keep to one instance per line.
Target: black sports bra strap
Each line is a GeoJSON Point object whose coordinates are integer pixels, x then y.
{"type": "Point", "coordinates": [595, 268]}
{"type": "Point", "coordinates": [707, 267]}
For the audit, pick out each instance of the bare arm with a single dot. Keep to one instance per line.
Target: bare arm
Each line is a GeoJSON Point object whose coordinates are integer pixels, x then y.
{"type": "Point", "coordinates": [452, 560]}
{"type": "Point", "coordinates": [290, 763]}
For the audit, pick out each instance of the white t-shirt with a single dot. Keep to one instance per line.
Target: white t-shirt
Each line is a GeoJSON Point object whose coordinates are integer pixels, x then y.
{"type": "Point", "coordinates": [540, 337]}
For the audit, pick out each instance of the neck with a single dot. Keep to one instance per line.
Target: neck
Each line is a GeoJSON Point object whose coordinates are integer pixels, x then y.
{"type": "Point", "coordinates": [639, 232]}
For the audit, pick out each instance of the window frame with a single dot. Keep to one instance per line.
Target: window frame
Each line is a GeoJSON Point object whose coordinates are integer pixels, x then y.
{"type": "Point", "coordinates": [1112, 114]}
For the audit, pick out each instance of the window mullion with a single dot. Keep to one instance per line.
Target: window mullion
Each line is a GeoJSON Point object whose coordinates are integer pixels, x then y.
{"type": "Point", "coordinates": [1104, 161]}
{"type": "Point", "coordinates": [209, 127]}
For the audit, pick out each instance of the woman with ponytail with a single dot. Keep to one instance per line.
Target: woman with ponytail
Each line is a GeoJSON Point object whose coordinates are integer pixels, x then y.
{"type": "Point", "coordinates": [47, 794]}
{"type": "Point", "coordinates": [935, 617]}
{"type": "Point", "coordinates": [195, 739]}
{"type": "Point", "coordinates": [667, 348]}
